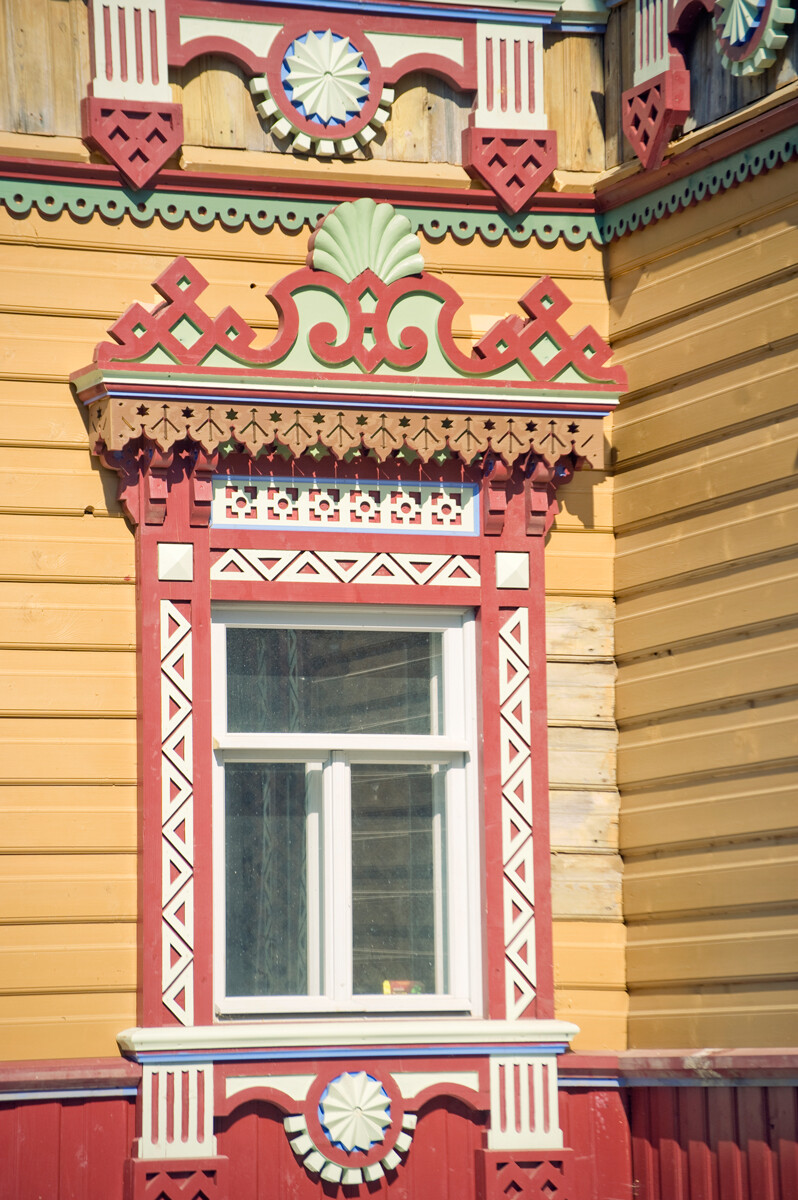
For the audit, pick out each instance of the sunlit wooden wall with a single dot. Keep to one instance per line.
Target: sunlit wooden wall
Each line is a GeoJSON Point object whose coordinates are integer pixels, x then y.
{"type": "Point", "coordinates": [703, 315]}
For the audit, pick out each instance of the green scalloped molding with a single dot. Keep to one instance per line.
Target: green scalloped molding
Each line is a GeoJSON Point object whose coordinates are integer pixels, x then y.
{"type": "Point", "coordinates": [231, 211]}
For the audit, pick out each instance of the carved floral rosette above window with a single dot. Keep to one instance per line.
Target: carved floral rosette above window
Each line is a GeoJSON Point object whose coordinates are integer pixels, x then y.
{"type": "Point", "coordinates": [365, 359]}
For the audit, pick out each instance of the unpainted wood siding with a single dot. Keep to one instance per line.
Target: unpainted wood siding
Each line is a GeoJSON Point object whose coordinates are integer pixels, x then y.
{"type": "Point", "coordinates": [67, 615]}
{"type": "Point", "coordinates": [703, 310]}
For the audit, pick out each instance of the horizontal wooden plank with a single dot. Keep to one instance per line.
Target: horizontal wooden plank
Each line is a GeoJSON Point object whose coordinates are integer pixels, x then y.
{"type": "Point", "coordinates": [761, 804]}
{"type": "Point", "coordinates": [579, 628]}
{"type": "Point", "coordinates": [740, 529]}
{"type": "Point", "coordinates": [702, 275]}
{"type": "Point", "coordinates": [586, 886]}
{"type": "Point", "coordinates": [582, 758]}
{"type": "Point", "coordinates": [691, 676]}
{"type": "Point", "coordinates": [55, 481]}
{"type": "Point", "coordinates": [697, 342]}
{"type": "Point", "coordinates": [40, 889]}
{"type": "Point", "coordinates": [745, 947]}
{"type": "Point", "coordinates": [736, 393]}
{"type": "Point", "coordinates": [729, 467]}
{"type": "Point", "coordinates": [722, 879]}
{"type": "Point", "coordinates": [694, 609]}
{"type": "Point", "coordinates": [581, 692]}
{"type": "Point", "coordinates": [36, 818]}
{"type": "Point", "coordinates": [64, 682]}
{"type": "Point", "coordinates": [67, 958]}
{"type": "Point", "coordinates": [60, 750]}
{"type": "Point", "coordinates": [66, 548]}
{"type": "Point", "coordinates": [83, 1025]}
{"type": "Point", "coordinates": [589, 954]}
{"type": "Point", "coordinates": [731, 1015]}
{"type": "Point", "coordinates": [584, 820]}
{"type": "Point", "coordinates": [600, 1015]}
{"type": "Point", "coordinates": [34, 414]}
{"type": "Point", "coordinates": [586, 502]}
{"type": "Point", "coordinates": [579, 563]}
{"type": "Point", "coordinates": [68, 615]}
{"type": "Point", "coordinates": [725, 740]}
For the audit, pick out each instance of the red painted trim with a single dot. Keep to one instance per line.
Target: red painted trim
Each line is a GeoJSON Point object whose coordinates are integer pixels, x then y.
{"type": "Point", "coordinates": [78, 1073]}
{"type": "Point", "coordinates": [707, 154]}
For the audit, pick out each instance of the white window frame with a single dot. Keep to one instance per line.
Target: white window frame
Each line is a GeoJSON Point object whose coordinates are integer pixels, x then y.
{"type": "Point", "coordinates": [329, 824]}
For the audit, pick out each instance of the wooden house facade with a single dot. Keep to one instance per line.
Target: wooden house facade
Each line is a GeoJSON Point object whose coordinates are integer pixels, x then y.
{"type": "Point", "coordinates": [398, 600]}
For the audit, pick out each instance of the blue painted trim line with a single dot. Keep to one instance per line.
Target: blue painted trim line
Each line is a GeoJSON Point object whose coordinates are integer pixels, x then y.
{"type": "Point", "coordinates": [318, 1052]}
{"type": "Point", "coordinates": [495, 16]}
{"type": "Point", "coordinates": [70, 1094]}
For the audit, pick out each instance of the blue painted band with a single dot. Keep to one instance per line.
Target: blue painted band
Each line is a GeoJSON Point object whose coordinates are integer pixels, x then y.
{"type": "Point", "coordinates": [495, 16]}
{"type": "Point", "coordinates": [106, 1093]}
{"type": "Point", "coordinates": [319, 1052]}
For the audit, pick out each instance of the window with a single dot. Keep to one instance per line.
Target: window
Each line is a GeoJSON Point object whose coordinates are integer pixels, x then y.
{"type": "Point", "coordinates": [345, 814]}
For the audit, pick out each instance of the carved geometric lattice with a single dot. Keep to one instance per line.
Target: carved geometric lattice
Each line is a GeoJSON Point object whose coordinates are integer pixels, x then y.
{"type": "Point", "coordinates": [307, 566]}
{"type": "Point", "coordinates": [523, 1176]}
{"type": "Point", "coordinates": [652, 110]}
{"type": "Point", "coordinates": [138, 137]}
{"type": "Point", "coordinates": [177, 813]}
{"type": "Point", "coordinates": [516, 778]}
{"type": "Point", "coordinates": [513, 165]}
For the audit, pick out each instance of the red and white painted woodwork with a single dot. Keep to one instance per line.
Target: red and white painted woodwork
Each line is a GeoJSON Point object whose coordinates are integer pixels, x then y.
{"type": "Point", "coordinates": [747, 35]}
{"type": "Point", "coordinates": [129, 116]}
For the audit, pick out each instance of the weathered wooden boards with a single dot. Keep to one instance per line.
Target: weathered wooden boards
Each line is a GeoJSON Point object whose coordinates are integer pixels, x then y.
{"type": "Point", "coordinates": [702, 313]}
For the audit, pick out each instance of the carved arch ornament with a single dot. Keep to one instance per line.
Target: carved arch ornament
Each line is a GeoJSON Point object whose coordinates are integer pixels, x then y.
{"type": "Point", "coordinates": [323, 80]}
{"type": "Point", "coordinates": [748, 36]}
{"type": "Point", "coordinates": [364, 362]}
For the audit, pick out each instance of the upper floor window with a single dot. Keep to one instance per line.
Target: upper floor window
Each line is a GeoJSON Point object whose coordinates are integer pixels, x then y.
{"type": "Point", "coordinates": [347, 858]}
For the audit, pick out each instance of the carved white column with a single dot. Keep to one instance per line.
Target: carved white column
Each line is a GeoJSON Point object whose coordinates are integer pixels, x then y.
{"type": "Point", "coordinates": [177, 1112]}
{"type": "Point", "coordinates": [524, 1112]}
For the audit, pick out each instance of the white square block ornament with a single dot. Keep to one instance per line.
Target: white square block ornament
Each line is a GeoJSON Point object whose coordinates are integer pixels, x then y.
{"type": "Point", "coordinates": [512, 569]}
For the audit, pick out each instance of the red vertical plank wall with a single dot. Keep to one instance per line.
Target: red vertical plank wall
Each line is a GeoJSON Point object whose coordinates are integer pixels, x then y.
{"type": "Point", "coordinates": [65, 1149]}
{"type": "Point", "coordinates": [714, 1143]}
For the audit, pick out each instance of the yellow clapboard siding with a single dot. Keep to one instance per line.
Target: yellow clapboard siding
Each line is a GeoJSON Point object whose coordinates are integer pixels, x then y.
{"type": "Point", "coordinates": [43, 888]}
{"type": "Point", "coordinates": [726, 1016]}
{"type": "Point", "coordinates": [40, 414]}
{"type": "Point", "coordinates": [721, 879]}
{"type": "Point", "coordinates": [709, 741]}
{"type": "Point", "coordinates": [580, 692]}
{"type": "Point", "coordinates": [56, 749]}
{"type": "Point", "coordinates": [589, 953]}
{"type": "Point", "coordinates": [581, 757]}
{"type": "Point", "coordinates": [739, 530]}
{"type": "Point", "coordinates": [82, 1025]}
{"type": "Point", "coordinates": [55, 481]}
{"type": "Point", "coordinates": [68, 615]}
{"type": "Point", "coordinates": [91, 818]}
{"type": "Point", "coordinates": [738, 667]}
{"type": "Point", "coordinates": [699, 951]}
{"type": "Point", "coordinates": [579, 563]}
{"type": "Point", "coordinates": [583, 819]}
{"type": "Point", "coordinates": [752, 459]}
{"type": "Point", "coordinates": [66, 549]}
{"type": "Point", "coordinates": [71, 958]}
{"type": "Point", "coordinates": [67, 682]}
{"type": "Point", "coordinates": [600, 1015]}
{"type": "Point", "coordinates": [579, 628]}
{"type": "Point", "coordinates": [695, 609]}
{"type": "Point", "coordinates": [586, 502]}
{"type": "Point", "coordinates": [33, 346]}
{"type": "Point", "coordinates": [736, 394]}
{"type": "Point", "coordinates": [697, 342]}
{"type": "Point", "coordinates": [586, 886]}
{"type": "Point", "coordinates": [759, 804]}
{"type": "Point", "coordinates": [704, 274]}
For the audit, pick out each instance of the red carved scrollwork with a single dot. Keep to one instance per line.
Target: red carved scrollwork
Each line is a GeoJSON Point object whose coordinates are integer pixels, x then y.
{"type": "Point", "coordinates": [514, 165]}
{"type": "Point", "coordinates": [173, 1179]}
{"type": "Point", "coordinates": [137, 137]}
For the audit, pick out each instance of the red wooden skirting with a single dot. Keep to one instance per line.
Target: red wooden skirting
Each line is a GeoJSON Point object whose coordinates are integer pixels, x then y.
{"type": "Point", "coordinates": [714, 1143]}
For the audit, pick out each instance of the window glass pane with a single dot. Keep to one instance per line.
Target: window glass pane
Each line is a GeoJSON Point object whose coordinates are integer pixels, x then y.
{"type": "Point", "coordinates": [334, 681]}
{"type": "Point", "coordinates": [398, 915]}
{"type": "Point", "coordinates": [266, 879]}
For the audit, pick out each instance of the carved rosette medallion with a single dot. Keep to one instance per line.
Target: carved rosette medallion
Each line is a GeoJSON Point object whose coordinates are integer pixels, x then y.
{"type": "Point", "coordinates": [750, 33]}
{"type": "Point", "coordinates": [323, 90]}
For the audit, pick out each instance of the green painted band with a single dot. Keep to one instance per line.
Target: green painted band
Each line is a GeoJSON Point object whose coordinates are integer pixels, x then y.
{"type": "Point", "coordinates": [231, 211]}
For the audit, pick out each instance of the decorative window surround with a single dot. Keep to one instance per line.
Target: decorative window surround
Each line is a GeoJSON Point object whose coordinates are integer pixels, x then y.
{"type": "Point", "coordinates": [295, 566]}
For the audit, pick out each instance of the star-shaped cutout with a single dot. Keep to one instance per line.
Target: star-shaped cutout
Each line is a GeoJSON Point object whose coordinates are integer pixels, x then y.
{"type": "Point", "coordinates": [490, 425]}
{"type": "Point", "coordinates": [447, 423]}
{"type": "Point", "coordinates": [531, 426]}
{"type": "Point", "coordinates": [362, 420]}
{"type": "Point", "coordinates": [275, 416]}
{"type": "Point", "coordinates": [231, 414]}
{"type": "Point", "coordinates": [404, 422]}
{"type": "Point", "coordinates": [188, 412]}
{"type": "Point", "coordinates": [142, 410]}
{"type": "Point", "coordinates": [318, 418]}
{"type": "Point", "coordinates": [573, 427]}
